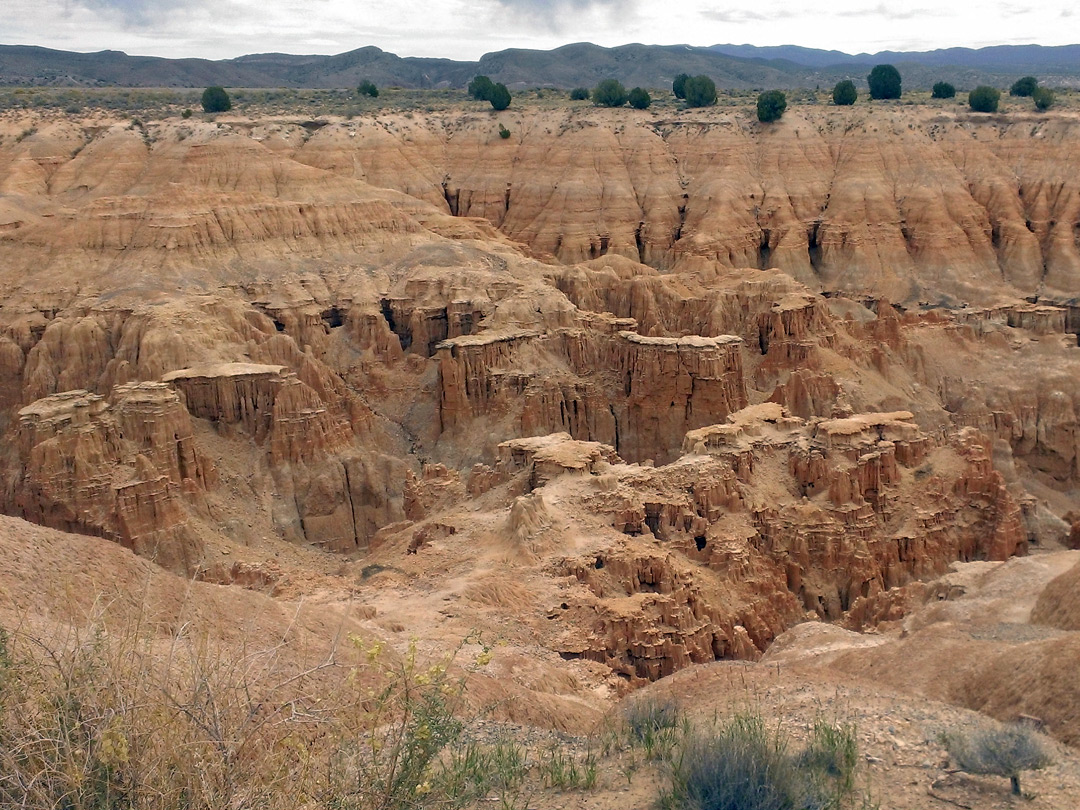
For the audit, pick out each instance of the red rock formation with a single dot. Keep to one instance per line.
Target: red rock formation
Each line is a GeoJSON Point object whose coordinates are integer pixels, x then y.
{"type": "Point", "coordinates": [353, 352]}
{"type": "Point", "coordinates": [328, 495]}
{"type": "Point", "coordinates": [639, 394]}
{"type": "Point", "coordinates": [770, 516]}
{"type": "Point", "coordinates": [120, 471]}
{"type": "Point", "coordinates": [547, 457]}
{"type": "Point", "coordinates": [651, 615]}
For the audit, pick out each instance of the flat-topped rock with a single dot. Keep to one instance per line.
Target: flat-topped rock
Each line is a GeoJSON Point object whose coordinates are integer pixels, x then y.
{"type": "Point", "coordinates": [765, 422]}
{"type": "Point", "coordinates": [144, 393]}
{"type": "Point", "coordinates": [687, 342]}
{"type": "Point", "coordinates": [487, 338]}
{"type": "Point", "coordinates": [794, 301]}
{"type": "Point", "coordinates": [890, 426]}
{"type": "Point", "coordinates": [63, 406]}
{"type": "Point", "coordinates": [215, 370]}
{"type": "Point", "coordinates": [554, 455]}
{"type": "Point", "coordinates": [123, 467]}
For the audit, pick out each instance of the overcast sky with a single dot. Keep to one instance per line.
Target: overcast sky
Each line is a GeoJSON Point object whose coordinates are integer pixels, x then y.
{"type": "Point", "coordinates": [465, 29]}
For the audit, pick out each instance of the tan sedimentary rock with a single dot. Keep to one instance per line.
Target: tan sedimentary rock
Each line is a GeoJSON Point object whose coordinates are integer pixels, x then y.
{"type": "Point", "coordinates": [527, 521]}
{"type": "Point", "coordinates": [1041, 319]}
{"type": "Point", "coordinates": [118, 470]}
{"type": "Point", "coordinates": [328, 494]}
{"type": "Point", "coordinates": [546, 457]}
{"type": "Point", "coordinates": [769, 516]}
{"type": "Point", "coordinates": [651, 617]}
{"type": "Point", "coordinates": [388, 376]}
{"type": "Point", "coordinates": [431, 489]}
{"type": "Point", "coordinates": [903, 203]}
{"type": "Point", "coordinates": [639, 394]}
{"type": "Point", "coordinates": [270, 403]}
{"type": "Point", "coordinates": [148, 415]}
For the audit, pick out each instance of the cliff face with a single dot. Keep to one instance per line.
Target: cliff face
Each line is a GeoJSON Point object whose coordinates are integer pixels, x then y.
{"type": "Point", "coordinates": [123, 468]}
{"type": "Point", "coordinates": [767, 520]}
{"type": "Point", "coordinates": [903, 203]}
{"type": "Point", "coordinates": [639, 394]}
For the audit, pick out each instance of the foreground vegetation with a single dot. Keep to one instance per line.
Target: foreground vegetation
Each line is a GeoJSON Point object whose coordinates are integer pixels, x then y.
{"type": "Point", "coordinates": [98, 720]}
{"type": "Point", "coordinates": [94, 721]}
{"type": "Point", "coordinates": [90, 720]}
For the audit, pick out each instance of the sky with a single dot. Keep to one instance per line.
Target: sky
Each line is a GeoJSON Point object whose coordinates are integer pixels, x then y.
{"type": "Point", "coordinates": [466, 29]}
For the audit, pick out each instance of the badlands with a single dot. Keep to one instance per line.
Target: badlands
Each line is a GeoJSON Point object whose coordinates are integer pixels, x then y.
{"type": "Point", "coordinates": [667, 404]}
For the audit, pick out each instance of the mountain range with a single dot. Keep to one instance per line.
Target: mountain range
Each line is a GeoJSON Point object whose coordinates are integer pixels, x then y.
{"type": "Point", "coordinates": [731, 66]}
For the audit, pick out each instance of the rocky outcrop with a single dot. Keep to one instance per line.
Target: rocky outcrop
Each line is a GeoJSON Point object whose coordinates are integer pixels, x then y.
{"type": "Point", "coordinates": [125, 468]}
{"type": "Point", "coordinates": [639, 394]}
{"type": "Point", "coordinates": [269, 403]}
{"type": "Point", "coordinates": [652, 614]}
{"type": "Point", "coordinates": [328, 493]}
{"type": "Point", "coordinates": [769, 517]}
{"type": "Point", "coordinates": [676, 384]}
{"type": "Point", "coordinates": [547, 457]}
{"type": "Point", "coordinates": [666, 453]}
{"type": "Point", "coordinates": [1040, 319]}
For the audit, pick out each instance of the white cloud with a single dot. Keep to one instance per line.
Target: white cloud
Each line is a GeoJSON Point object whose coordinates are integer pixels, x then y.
{"type": "Point", "coordinates": [465, 29]}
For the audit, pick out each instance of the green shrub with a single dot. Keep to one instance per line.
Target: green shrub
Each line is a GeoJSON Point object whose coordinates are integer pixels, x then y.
{"type": "Point", "coordinates": [561, 769]}
{"type": "Point", "coordinates": [639, 98]}
{"type": "Point", "coordinates": [771, 105]}
{"type": "Point", "coordinates": [367, 88]}
{"type": "Point", "coordinates": [884, 81]}
{"type": "Point", "coordinates": [1043, 98]}
{"type": "Point", "coordinates": [500, 97]}
{"type": "Point", "coordinates": [654, 725]}
{"type": "Point", "coordinates": [480, 88]}
{"type": "Point", "coordinates": [646, 715]}
{"type": "Point", "coordinates": [943, 90]}
{"type": "Point", "coordinates": [609, 93]}
{"type": "Point", "coordinates": [844, 93]}
{"type": "Point", "coordinates": [215, 100]}
{"type": "Point", "coordinates": [678, 87]}
{"type": "Point", "coordinates": [186, 114]}
{"type": "Point", "coordinates": [984, 99]}
{"type": "Point", "coordinates": [700, 91]}
{"type": "Point", "coordinates": [1024, 87]}
{"type": "Point", "coordinates": [746, 766]}
{"type": "Point", "coordinates": [833, 752]}
{"type": "Point", "coordinates": [504, 133]}
{"type": "Point", "coordinates": [579, 94]}
{"type": "Point", "coordinates": [1001, 750]}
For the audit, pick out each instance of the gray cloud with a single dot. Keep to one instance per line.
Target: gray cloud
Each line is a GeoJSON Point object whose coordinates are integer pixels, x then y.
{"type": "Point", "coordinates": [558, 15]}
{"type": "Point", "coordinates": [734, 16]}
{"type": "Point", "coordinates": [1015, 9]}
{"type": "Point", "coordinates": [141, 13]}
{"type": "Point", "coordinates": [883, 11]}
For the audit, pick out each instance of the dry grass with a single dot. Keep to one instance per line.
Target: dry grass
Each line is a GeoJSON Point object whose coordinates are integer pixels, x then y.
{"type": "Point", "coordinates": [93, 720]}
{"type": "Point", "coordinates": [89, 719]}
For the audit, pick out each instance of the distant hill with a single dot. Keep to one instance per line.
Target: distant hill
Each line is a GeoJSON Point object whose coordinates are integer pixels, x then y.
{"type": "Point", "coordinates": [731, 66]}
{"type": "Point", "coordinates": [1050, 63]}
{"type": "Point", "coordinates": [1018, 58]}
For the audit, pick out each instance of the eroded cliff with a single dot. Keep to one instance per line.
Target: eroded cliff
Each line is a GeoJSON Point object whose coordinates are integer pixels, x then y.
{"type": "Point", "coordinates": [590, 372]}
